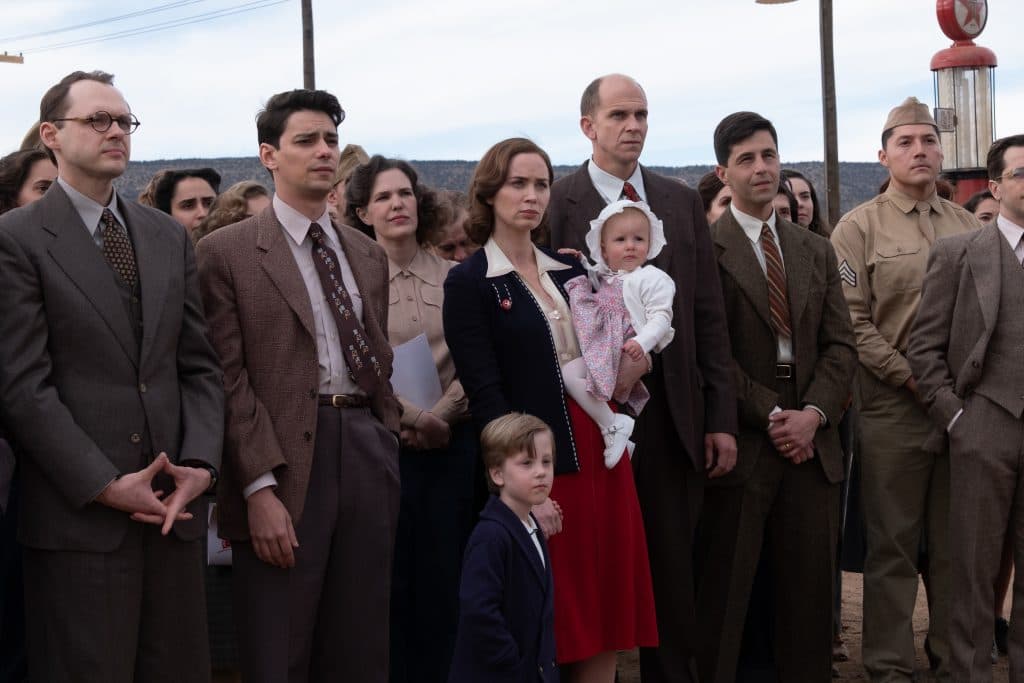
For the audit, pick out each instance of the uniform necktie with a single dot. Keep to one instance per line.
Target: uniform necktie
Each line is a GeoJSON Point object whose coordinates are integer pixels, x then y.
{"type": "Point", "coordinates": [778, 303]}
{"type": "Point", "coordinates": [362, 364]}
{"type": "Point", "coordinates": [630, 192]}
{"type": "Point", "coordinates": [924, 221]}
{"type": "Point", "coordinates": [117, 249]}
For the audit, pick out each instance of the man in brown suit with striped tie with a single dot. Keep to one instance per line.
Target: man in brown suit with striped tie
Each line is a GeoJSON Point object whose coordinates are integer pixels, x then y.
{"type": "Point", "coordinates": [309, 497]}
{"type": "Point", "coordinates": [793, 360]}
{"type": "Point", "coordinates": [965, 351]}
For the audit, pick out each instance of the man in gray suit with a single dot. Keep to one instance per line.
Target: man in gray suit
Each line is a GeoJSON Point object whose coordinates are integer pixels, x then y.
{"type": "Point", "coordinates": [794, 358]}
{"type": "Point", "coordinates": [686, 432]}
{"type": "Point", "coordinates": [113, 397]}
{"type": "Point", "coordinates": [965, 350]}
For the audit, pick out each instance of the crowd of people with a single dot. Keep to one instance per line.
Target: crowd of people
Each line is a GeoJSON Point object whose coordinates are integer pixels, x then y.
{"type": "Point", "coordinates": [506, 434]}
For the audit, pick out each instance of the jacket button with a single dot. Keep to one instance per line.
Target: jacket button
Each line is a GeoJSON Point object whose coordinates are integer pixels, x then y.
{"type": "Point", "coordinates": [312, 393]}
{"type": "Point", "coordinates": [308, 436]}
{"type": "Point", "coordinates": [975, 364]}
{"type": "Point", "coordinates": [142, 387]}
{"type": "Point", "coordinates": [135, 437]}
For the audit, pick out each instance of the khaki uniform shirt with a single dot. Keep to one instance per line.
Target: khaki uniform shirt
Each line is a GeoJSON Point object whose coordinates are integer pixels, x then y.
{"type": "Point", "coordinates": [415, 298]}
{"type": "Point", "coordinates": [882, 257]}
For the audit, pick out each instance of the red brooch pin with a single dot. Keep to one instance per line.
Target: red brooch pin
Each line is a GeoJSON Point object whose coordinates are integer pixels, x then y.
{"type": "Point", "coordinates": [506, 304]}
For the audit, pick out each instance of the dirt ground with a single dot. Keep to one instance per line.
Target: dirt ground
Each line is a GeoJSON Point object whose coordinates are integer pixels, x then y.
{"type": "Point", "coordinates": [852, 670]}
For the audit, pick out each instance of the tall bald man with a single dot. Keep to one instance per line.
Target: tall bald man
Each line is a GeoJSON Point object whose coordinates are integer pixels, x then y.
{"type": "Point", "coordinates": [687, 431]}
{"type": "Point", "coordinates": [882, 247]}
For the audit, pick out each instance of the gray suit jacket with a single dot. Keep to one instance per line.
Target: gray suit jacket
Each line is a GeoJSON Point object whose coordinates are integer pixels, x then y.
{"type": "Point", "coordinates": [695, 366]}
{"type": "Point", "coordinates": [958, 313]}
{"type": "Point", "coordinates": [823, 344]}
{"type": "Point", "coordinates": [261, 322]}
{"type": "Point", "coordinates": [77, 390]}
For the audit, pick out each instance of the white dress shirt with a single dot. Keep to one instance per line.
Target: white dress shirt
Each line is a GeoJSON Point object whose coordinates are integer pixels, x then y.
{"type": "Point", "coordinates": [610, 187]}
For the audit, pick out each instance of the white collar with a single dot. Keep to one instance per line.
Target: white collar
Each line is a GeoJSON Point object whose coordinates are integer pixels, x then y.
{"type": "Point", "coordinates": [498, 264]}
{"type": "Point", "coordinates": [610, 187]}
{"type": "Point", "coordinates": [1011, 231]}
{"type": "Point", "coordinates": [297, 225]}
{"type": "Point", "coordinates": [752, 226]}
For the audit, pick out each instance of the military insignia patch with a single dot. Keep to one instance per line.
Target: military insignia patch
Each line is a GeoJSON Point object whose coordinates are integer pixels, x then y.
{"type": "Point", "coordinates": [847, 274]}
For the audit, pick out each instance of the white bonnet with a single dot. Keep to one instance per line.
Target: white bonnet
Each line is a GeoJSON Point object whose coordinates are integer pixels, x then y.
{"type": "Point", "coordinates": [594, 236]}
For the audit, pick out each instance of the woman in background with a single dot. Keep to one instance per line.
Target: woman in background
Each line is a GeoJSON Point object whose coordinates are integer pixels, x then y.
{"type": "Point", "coordinates": [715, 195]}
{"type": "Point", "coordinates": [450, 240]}
{"type": "Point", "coordinates": [438, 456]}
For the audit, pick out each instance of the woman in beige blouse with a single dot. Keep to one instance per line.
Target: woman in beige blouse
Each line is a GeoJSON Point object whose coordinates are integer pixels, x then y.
{"type": "Point", "coordinates": [439, 454]}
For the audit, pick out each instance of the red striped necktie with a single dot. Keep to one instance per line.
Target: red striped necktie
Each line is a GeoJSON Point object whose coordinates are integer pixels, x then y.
{"type": "Point", "coordinates": [778, 302]}
{"type": "Point", "coordinates": [630, 192]}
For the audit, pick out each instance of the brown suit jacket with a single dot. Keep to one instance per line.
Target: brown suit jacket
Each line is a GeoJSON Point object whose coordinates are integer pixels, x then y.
{"type": "Point", "coordinates": [696, 369]}
{"type": "Point", "coordinates": [958, 313]}
{"type": "Point", "coordinates": [261, 322]}
{"type": "Point", "coordinates": [823, 342]}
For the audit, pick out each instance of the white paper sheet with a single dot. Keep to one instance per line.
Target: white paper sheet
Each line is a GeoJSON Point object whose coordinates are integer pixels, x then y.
{"type": "Point", "coordinates": [414, 376]}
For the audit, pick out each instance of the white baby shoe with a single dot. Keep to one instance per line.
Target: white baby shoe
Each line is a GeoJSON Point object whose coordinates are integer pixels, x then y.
{"type": "Point", "coordinates": [616, 437]}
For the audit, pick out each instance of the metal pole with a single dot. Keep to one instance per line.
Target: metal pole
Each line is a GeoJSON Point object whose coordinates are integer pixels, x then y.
{"type": "Point", "coordinates": [828, 109]}
{"type": "Point", "coordinates": [308, 66]}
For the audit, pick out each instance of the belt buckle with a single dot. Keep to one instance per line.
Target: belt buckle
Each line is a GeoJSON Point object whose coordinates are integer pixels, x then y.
{"type": "Point", "coordinates": [783, 371]}
{"type": "Point", "coordinates": [339, 401]}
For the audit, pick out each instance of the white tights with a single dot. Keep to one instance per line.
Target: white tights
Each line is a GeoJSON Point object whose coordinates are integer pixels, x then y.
{"type": "Point", "coordinates": [574, 374]}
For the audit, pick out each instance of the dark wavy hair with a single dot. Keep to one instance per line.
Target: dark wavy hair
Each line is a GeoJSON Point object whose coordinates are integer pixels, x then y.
{"type": "Point", "coordinates": [489, 176]}
{"type": "Point", "coordinates": [272, 119]}
{"type": "Point", "coordinates": [167, 183]}
{"type": "Point", "coordinates": [360, 187]}
{"type": "Point", "coordinates": [818, 224]}
{"type": "Point", "coordinates": [14, 170]}
{"type": "Point", "coordinates": [708, 188]}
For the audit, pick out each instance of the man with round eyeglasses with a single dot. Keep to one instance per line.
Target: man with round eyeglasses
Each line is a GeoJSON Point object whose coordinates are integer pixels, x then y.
{"type": "Point", "coordinates": [114, 398]}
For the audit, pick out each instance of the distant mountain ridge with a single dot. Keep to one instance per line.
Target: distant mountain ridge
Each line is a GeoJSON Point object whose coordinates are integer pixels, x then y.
{"type": "Point", "coordinates": [859, 181]}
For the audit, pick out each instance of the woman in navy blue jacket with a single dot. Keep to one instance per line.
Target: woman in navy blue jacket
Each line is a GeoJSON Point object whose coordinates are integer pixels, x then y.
{"type": "Point", "coordinates": [509, 328]}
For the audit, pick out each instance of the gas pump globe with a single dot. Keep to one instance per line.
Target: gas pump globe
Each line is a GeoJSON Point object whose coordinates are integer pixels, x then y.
{"type": "Point", "coordinates": [964, 95]}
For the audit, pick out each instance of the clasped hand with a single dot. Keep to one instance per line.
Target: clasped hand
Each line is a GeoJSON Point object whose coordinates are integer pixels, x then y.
{"type": "Point", "coordinates": [133, 493]}
{"type": "Point", "coordinates": [792, 433]}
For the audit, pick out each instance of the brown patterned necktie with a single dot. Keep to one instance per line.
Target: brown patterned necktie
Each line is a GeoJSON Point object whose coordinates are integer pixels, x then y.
{"type": "Point", "coordinates": [778, 302]}
{"type": "Point", "coordinates": [117, 248]}
{"type": "Point", "coordinates": [362, 364]}
{"type": "Point", "coordinates": [630, 192]}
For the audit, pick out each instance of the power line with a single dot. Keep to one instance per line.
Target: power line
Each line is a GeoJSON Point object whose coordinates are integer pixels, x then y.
{"type": "Point", "coordinates": [176, 23]}
{"type": "Point", "coordinates": [120, 17]}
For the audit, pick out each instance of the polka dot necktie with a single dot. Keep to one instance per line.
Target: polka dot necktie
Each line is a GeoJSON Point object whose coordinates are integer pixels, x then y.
{"type": "Point", "coordinates": [363, 365]}
{"type": "Point", "coordinates": [117, 249]}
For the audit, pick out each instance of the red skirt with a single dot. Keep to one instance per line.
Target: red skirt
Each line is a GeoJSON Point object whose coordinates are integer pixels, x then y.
{"type": "Point", "coordinates": [603, 595]}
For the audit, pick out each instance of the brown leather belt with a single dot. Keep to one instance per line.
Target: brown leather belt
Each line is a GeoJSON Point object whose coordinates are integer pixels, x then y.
{"type": "Point", "coordinates": [784, 371]}
{"type": "Point", "coordinates": [344, 400]}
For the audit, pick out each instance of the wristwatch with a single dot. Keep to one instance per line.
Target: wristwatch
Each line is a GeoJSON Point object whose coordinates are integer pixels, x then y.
{"type": "Point", "coordinates": [199, 464]}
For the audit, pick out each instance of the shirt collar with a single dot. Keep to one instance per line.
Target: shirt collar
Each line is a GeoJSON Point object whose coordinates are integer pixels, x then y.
{"type": "Point", "coordinates": [752, 226]}
{"type": "Point", "coordinates": [498, 264]}
{"type": "Point", "coordinates": [89, 209]}
{"type": "Point", "coordinates": [1011, 231]}
{"type": "Point", "coordinates": [297, 226]}
{"type": "Point", "coordinates": [906, 203]}
{"type": "Point", "coordinates": [423, 266]}
{"type": "Point", "coordinates": [610, 187]}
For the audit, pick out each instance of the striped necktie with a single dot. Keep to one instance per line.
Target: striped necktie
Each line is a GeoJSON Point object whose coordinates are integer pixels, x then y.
{"type": "Point", "coordinates": [630, 192]}
{"type": "Point", "coordinates": [778, 302]}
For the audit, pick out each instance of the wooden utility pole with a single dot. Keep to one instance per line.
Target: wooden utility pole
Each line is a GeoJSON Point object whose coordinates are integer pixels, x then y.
{"type": "Point", "coordinates": [308, 65]}
{"type": "Point", "coordinates": [828, 112]}
{"type": "Point", "coordinates": [13, 59]}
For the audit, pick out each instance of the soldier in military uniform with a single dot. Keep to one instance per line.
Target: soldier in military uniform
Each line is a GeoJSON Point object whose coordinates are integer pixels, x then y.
{"type": "Point", "coordinates": [882, 248]}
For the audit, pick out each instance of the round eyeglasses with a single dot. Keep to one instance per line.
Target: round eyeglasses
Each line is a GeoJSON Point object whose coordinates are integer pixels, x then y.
{"type": "Point", "coordinates": [101, 121]}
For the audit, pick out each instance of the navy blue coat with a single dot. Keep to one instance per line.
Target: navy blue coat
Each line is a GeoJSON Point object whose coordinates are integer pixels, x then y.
{"type": "Point", "coordinates": [504, 355]}
{"type": "Point", "coordinates": [506, 605]}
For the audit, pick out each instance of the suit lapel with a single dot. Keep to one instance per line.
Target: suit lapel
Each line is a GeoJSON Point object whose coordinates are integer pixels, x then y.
{"type": "Point", "coordinates": [152, 258]}
{"type": "Point", "coordinates": [75, 253]}
{"type": "Point", "coordinates": [984, 258]}
{"type": "Point", "coordinates": [280, 267]}
{"type": "Point", "coordinates": [586, 203]}
{"type": "Point", "coordinates": [737, 257]}
{"type": "Point", "coordinates": [502, 514]}
{"type": "Point", "coordinates": [798, 267]}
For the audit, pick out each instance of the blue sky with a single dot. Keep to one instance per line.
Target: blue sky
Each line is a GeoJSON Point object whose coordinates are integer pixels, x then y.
{"type": "Point", "coordinates": [448, 78]}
